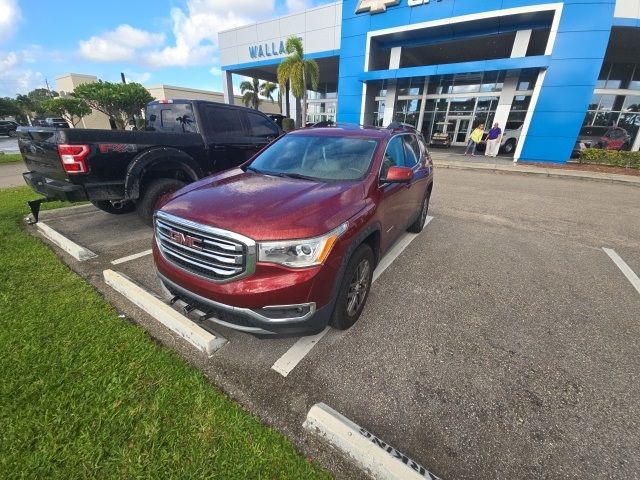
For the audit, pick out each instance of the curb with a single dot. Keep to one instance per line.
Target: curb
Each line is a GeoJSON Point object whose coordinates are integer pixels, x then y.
{"type": "Point", "coordinates": [377, 458]}
{"type": "Point", "coordinates": [76, 251]}
{"type": "Point", "coordinates": [540, 173]}
{"type": "Point", "coordinates": [200, 338]}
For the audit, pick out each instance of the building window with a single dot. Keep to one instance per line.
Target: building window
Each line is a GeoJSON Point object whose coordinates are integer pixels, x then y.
{"type": "Point", "coordinates": [407, 111]}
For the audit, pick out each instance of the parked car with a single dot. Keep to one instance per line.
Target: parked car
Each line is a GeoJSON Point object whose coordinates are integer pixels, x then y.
{"type": "Point", "coordinates": [440, 137]}
{"type": "Point", "coordinates": [510, 137]}
{"type": "Point", "coordinates": [8, 127]}
{"type": "Point", "coordinates": [277, 117]}
{"type": "Point", "coordinates": [610, 138]}
{"type": "Point", "coordinates": [54, 122]}
{"type": "Point", "coordinates": [120, 171]}
{"type": "Point", "coordinates": [309, 219]}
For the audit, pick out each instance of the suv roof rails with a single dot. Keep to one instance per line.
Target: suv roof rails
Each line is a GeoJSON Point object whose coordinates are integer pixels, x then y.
{"type": "Point", "coordinates": [401, 126]}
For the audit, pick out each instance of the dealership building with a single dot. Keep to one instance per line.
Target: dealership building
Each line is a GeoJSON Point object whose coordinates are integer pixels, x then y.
{"type": "Point", "coordinates": [543, 69]}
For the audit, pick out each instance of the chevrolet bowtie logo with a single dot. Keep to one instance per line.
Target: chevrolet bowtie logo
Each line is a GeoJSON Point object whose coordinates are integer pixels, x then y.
{"type": "Point", "coordinates": [375, 6]}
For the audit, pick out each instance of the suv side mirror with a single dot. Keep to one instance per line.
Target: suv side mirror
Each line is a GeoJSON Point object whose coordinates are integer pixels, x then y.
{"type": "Point", "coordinates": [398, 175]}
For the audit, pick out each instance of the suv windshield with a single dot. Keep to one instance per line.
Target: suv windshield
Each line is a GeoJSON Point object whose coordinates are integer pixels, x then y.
{"type": "Point", "coordinates": [317, 157]}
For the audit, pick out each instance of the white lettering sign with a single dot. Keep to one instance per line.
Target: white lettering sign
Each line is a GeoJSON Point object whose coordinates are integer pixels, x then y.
{"type": "Point", "coordinates": [379, 6]}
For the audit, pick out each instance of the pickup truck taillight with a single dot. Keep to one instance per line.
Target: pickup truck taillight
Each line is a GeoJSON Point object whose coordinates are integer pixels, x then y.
{"type": "Point", "coordinates": [73, 158]}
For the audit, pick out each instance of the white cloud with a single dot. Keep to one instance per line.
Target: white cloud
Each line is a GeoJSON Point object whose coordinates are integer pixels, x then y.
{"type": "Point", "coordinates": [297, 5]}
{"type": "Point", "coordinates": [137, 77]}
{"type": "Point", "coordinates": [10, 16]}
{"type": "Point", "coordinates": [215, 71]}
{"type": "Point", "coordinates": [121, 44]}
{"type": "Point", "coordinates": [8, 61]}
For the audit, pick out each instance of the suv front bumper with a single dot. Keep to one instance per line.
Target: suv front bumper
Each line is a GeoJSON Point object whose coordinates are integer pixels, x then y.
{"type": "Point", "coordinates": [273, 319]}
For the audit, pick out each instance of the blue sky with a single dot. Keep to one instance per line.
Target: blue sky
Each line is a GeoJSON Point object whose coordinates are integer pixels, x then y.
{"type": "Point", "coordinates": [152, 41]}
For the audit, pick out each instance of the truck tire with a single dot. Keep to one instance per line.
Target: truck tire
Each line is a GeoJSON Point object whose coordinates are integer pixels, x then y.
{"type": "Point", "coordinates": [152, 193]}
{"type": "Point", "coordinates": [355, 282]}
{"type": "Point", "coordinates": [418, 225]}
{"type": "Point", "coordinates": [509, 147]}
{"type": "Point", "coordinates": [119, 208]}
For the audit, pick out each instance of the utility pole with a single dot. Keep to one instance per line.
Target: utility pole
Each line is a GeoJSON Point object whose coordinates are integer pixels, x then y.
{"type": "Point", "coordinates": [124, 80]}
{"type": "Point", "coordinates": [46, 82]}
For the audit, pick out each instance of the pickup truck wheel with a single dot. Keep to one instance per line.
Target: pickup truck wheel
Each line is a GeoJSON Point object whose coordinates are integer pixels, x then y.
{"type": "Point", "coordinates": [509, 147]}
{"type": "Point", "coordinates": [152, 193]}
{"type": "Point", "coordinates": [354, 288]}
{"type": "Point", "coordinates": [418, 225]}
{"type": "Point", "coordinates": [118, 208]}
{"type": "Point", "coordinates": [12, 133]}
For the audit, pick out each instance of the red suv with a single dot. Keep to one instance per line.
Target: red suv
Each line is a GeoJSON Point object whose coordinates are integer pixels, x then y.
{"type": "Point", "coordinates": [287, 242]}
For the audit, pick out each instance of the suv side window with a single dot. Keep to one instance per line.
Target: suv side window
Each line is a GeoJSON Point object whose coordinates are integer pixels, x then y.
{"type": "Point", "coordinates": [262, 126]}
{"type": "Point", "coordinates": [412, 150]}
{"type": "Point", "coordinates": [223, 121]}
{"type": "Point", "coordinates": [393, 156]}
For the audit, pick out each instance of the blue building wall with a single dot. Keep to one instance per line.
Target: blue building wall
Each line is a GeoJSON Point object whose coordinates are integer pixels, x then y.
{"type": "Point", "coordinates": [572, 68]}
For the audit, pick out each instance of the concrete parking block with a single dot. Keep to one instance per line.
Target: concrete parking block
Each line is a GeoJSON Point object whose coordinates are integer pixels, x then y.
{"type": "Point", "coordinates": [187, 329]}
{"type": "Point", "coordinates": [376, 457]}
{"type": "Point", "coordinates": [76, 251]}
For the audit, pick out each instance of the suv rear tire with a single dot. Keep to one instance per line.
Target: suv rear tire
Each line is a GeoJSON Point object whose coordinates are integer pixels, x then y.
{"type": "Point", "coordinates": [152, 193]}
{"type": "Point", "coordinates": [418, 225]}
{"type": "Point", "coordinates": [354, 288]}
{"type": "Point", "coordinates": [120, 209]}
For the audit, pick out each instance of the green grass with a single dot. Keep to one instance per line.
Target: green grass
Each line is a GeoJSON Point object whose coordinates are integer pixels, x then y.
{"type": "Point", "coordinates": [10, 158]}
{"type": "Point", "coordinates": [84, 394]}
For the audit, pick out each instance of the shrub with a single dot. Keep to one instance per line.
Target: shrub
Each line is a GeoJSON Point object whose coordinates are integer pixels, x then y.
{"type": "Point", "coordinates": [288, 124]}
{"type": "Point", "coordinates": [611, 157]}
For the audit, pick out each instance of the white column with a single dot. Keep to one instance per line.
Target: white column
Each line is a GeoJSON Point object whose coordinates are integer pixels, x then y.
{"type": "Point", "coordinates": [521, 44]}
{"type": "Point", "coordinates": [390, 101]}
{"type": "Point", "coordinates": [227, 87]}
{"type": "Point", "coordinates": [636, 143]}
{"type": "Point", "coordinates": [506, 98]}
{"type": "Point", "coordinates": [423, 104]}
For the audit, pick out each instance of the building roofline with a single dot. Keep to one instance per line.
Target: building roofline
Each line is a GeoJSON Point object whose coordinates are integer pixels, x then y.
{"type": "Point", "coordinates": [283, 16]}
{"type": "Point", "coordinates": [70, 74]}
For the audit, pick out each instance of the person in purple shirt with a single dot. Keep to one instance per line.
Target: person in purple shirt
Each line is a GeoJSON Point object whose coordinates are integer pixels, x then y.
{"type": "Point", "coordinates": [493, 141]}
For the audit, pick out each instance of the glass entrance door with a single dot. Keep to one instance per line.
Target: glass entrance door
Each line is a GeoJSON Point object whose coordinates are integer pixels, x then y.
{"type": "Point", "coordinates": [461, 130]}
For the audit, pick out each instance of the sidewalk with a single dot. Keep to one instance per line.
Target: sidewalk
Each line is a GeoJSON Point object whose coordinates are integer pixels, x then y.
{"type": "Point", "coordinates": [11, 175]}
{"type": "Point", "coordinates": [506, 166]}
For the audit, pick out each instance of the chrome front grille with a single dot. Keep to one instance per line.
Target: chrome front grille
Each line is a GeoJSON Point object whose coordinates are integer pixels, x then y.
{"type": "Point", "coordinates": [209, 252]}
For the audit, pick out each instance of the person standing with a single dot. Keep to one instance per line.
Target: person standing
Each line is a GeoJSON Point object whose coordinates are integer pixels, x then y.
{"type": "Point", "coordinates": [474, 139]}
{"type": "Point", "coordinates": [493, 141]}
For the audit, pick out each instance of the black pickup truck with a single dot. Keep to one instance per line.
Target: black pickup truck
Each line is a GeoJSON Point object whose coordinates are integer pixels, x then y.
{"type": "Point", "coordinates": [120, 171]}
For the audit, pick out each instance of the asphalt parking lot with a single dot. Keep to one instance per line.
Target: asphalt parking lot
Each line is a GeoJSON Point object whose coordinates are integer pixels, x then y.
{"type": "Point", "coordinates": [501, 342]}
{"type": "Point", "coordinates": [8, 145]}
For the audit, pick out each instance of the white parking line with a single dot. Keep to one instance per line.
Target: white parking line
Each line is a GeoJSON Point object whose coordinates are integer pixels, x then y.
{"type": "Point", "coordinates": [402, 243]}
{"type": "Point", "coordinates": [624, 268]}
{"type": "Point", "coordinates": [131, 257]}
{"type": "Point", "coordinates": [199, 337]}
{"type": "Point", "coordinates": [369, 452]}
{"type": "Point", "coordinates": [297, 352]}
{"type": "Point", "coordinates": [303, 346]}
{"type": "Point", "coordinates": [76, 251]}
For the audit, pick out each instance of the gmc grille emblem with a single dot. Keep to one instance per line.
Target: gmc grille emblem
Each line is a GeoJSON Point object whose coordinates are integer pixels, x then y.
{"type": "Point", "coordinates": [186, 240]}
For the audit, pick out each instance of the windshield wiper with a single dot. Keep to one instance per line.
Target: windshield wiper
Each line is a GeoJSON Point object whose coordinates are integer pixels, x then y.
{"type": "Point", "coordinates": [296, 175]}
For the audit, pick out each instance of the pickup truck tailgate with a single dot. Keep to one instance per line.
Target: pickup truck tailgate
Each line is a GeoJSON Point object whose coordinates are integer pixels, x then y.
{"type": "Point", "coordinates": [39, 150]}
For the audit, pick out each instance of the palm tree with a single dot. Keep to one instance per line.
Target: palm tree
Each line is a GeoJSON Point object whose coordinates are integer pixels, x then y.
{"type": "Point", "coordinates": [251, 93]}
{"type": "Point", "coordinates": [253, 90]}
{"type": "Point", "coordinates": [298, 72]}
{"type": "Point", "coordinates": [267, 89]}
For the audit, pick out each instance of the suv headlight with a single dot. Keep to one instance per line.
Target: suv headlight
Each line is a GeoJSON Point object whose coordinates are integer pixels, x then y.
{"type": "Point", "coordinates": [300, 253]}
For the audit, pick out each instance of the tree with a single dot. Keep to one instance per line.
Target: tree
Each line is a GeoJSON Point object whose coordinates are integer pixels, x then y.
{"type": "Point", "coordinates": [298, 72]}
{"type": "Point", "coordinates": [253, 90]}
{"type": "Point", "coordinates": [70, 108]}
{"type": "Point", "coordinates": [8, 107]}
{"type": "Point", "coordinates": [31, 105]}
{"type": "Point", "coordinates": [120, 102]}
